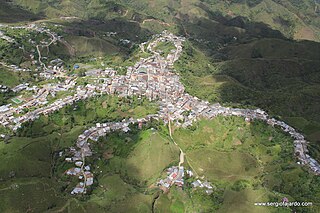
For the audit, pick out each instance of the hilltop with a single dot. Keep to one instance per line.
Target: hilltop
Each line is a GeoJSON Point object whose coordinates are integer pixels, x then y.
{"type": "Point", "coordinates": [295, 19]}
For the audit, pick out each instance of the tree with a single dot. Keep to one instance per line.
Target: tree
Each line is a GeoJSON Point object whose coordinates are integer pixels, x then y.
{"type": "Point", "coordinates": [256, 53]}
{"type": "Point", "coordinates": [81, 72]}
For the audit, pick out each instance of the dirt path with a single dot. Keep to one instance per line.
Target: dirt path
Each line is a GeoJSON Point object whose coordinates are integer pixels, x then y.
{"type": "Point", "coordinates": [154, 20]}
{"type": "Point", "coordinates": [181, 158]}
{"type": "Point", "coordinates": [47, 46]}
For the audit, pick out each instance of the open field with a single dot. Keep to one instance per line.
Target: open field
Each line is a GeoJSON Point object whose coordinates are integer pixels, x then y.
{"type": "Point", "coordinates": [251, 162]}
{"type": "Point", "coordinates": [245, 162]}
{"type": "Point", "coordinates": [31, 170]}
{"type": "Point", "coordinates": [16, 100]}
{"type": "Point", "coordinates": [11, 79]}
{"type": "Point", "coordinates": [219, 165]}
{"type": "Point", "coordinates": [150, 156]}
{"type": "Point", "coordinates": [115, 195]}
{"type": "Point", "coordinates": [141, 157]}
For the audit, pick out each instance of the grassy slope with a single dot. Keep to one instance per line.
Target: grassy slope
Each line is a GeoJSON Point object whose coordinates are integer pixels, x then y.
{"type": "Point", "coordinates": [292, 18]}
{"type": "Point", "coordinates": [165, 48]}
{"type": "Point", "coordinates": [7, 9]}
{"type": "Point", "coordinates": [85, 46]}
{"type": "Point", "coordinates": [30, 167]}
{"type": "Point", "coordinates": [150, 154]}
{"type": "Point", "coordinates": [139, 158]}
{"type": "Point", "coordinates": [8, 78]}
{"type": "Point", "coordinates": [263, 155]}
{"type": "Point", "coordinates": [115, 195]}
{"type": "Point", "coordinates": [278, 75]}
{"type": "Point", "coordinates": [297, 19]}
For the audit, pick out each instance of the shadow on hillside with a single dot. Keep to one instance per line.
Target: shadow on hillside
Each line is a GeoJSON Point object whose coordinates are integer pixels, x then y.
{"type": "Point", "coordinates": [10, 13]}
{"type": "Point", "coordinates": [93, 27]}
{"type": "Point", "coordinates": [218, 30]}
{"type": "Point", "coordinates": [96, 34]}
{"type": "Point", "coordinates": [263, 68]}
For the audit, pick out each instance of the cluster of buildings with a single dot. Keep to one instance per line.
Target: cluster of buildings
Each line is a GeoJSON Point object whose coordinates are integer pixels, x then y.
{"type": "Point", "coordinates": [125, 41]}
{"type": "Point", "coordinates": [5, 108]}
{"type": "Point", "coordinates": [175, 176]}
{"type": "Point", "coordinates": [14, 116]}
{"type": "Point", "coordinates": [101, 73]}
{"type": "Point", "coordinates": [205, 185]}
{"type": "Point", "coordinates": [7, 38]}
{"type": "Point", "coordinates": [109, 34]}
{"type": "Point", "coordinates": [3, 89]}
{"type": "Point", "coordinates": [152, 77]}
{"type": "Point", "coordinates": [83, 150]}
{"type": "Point", "coordinates": [15, 68]}
{"type": "Point", "coordinates": [300, 145]}
{"type": "Point", "coordinates": [53, 72]}
{"type": "Point", "coordinates": [200, 109]}
{"type": "Point", "coordinates": [20, 87]}
{"type": "Point", "coordinates": [84, 175]}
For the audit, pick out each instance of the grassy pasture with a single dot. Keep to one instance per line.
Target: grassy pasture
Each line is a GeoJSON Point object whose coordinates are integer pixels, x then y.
{"type": "Point", "coordinates": [250, 162]}
{"type": "Point", "coordinates": [143, 156]}
{"type": "Point", "coordinates": [278, 75]}
{"type": "Point", "coordinates": [150, 156]}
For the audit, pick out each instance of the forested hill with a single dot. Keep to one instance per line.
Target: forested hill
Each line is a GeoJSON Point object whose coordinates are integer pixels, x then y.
{"type": "Point", "coordinates": [297, 19]}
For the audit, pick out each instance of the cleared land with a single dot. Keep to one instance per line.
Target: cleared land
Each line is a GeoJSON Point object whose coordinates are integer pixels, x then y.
{"type": "Point", "coordinates": [251, 162]}
{"type": "Point", "coordinates": [31, 174]}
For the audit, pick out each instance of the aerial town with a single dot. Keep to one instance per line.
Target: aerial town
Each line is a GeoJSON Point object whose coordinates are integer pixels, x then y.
{"type": "Point", "coordinates": [152, 77]}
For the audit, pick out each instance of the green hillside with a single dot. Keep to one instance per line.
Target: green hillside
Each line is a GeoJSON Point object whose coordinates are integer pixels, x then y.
{"type": "Point", "coordinates": [278, 75]}
{"type": "Point", "coordinates": [246, 163]}
{"type": "Point", "coordinates": [7, 10]}
{"type": "Point", "coordinates": [295, 19]}
{"type": "Point", "coordinates": [240, 53]}
{"type": "Point", "coordinates": [251, 162]}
